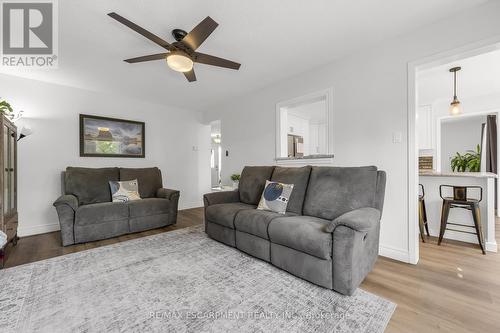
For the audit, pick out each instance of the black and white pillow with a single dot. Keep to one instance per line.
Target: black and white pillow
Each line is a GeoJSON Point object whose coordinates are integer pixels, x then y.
{"type": "Point", "coordinates": [125, 191]}
{"type": "Point", "coordinates": [275, 197]}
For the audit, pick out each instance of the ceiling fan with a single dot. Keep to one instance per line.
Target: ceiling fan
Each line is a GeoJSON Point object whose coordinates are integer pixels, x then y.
{"type": "Point", "coordinates": [182, 53]}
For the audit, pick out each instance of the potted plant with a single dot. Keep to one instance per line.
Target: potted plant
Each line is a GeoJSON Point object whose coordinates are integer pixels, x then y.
{"type": "Point", "coordinates": [235, 177]}
{"type": "Point", "coordinates": [5, 108]}
{"type": "Point", "coordinates": [458, 163]}
{"type": "Point", "coordinates": [470, 161]}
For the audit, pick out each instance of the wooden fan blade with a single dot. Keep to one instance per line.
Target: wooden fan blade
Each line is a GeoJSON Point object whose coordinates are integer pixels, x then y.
{"type": "Point", "coordinates": [207, 59]}
{"type": "Point", "coordinates": [198, 35]}
{"type": "Point", "coordinates": [152, 37]}
{"type": "Point", "coordinates": [150, 57]}
{"type": "Point", "coordinates": [190, 76]}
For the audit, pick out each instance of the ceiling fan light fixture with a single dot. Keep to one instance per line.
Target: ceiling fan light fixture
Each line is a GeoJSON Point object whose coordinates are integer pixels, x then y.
{"type": "Point", "coordinates": [181, 54]}
{"type": "Point", "coordinates": [179, 62]}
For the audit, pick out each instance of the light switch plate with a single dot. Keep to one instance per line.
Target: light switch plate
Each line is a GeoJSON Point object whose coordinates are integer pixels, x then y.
{"type": "Point", "coordinates": [397, 137]}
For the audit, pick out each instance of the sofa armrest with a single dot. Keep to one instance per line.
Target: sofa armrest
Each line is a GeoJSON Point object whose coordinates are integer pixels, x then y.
{"type": "Point", "coordinates": [167, 193]}
{"type": "Point", "coordinates": [215, 198]}
{"type": "Point", "coordinates": [66, 207]}
{"type": "Point", "coordinates": [67, 199]}
{"type": "Point", "coordinates": [362, 219]}
{"type": "Point", "coordinates": [173, 197]}
{"type": "Point", "coordinates": [355, 247]}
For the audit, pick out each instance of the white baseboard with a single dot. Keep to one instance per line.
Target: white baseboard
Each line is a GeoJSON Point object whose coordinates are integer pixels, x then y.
{"type": "Point", "coordinates": [37, 229]}
{"type": "Point", "coordinates": [491, 247]}
{"type": "Point", "coordinates": [394, 253]}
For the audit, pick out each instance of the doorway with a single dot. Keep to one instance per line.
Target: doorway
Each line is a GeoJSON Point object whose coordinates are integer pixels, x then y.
{"type": "Point", "coordinates": [432, 113]}
{"type": "Point", "coordinates": [215, 154]}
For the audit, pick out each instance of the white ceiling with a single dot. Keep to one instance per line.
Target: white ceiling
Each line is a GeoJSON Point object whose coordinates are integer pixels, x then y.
{"type": "Point", "coordinates": [479, 76]}
{"type": "Point", "coordinates": [272, 39]}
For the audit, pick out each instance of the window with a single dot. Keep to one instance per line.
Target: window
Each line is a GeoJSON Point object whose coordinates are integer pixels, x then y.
{"type": "Point", "coordinates": [304, 126]}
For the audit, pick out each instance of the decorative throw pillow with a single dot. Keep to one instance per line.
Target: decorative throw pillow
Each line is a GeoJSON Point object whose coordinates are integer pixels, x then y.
{"type": "Point", "coordinates": [275, 197]}
{"type": "Point", "coordinates": [125, 191]}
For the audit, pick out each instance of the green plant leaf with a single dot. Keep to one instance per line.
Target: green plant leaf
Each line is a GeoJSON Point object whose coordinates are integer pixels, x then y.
{"type": "Point", "coordinates": [5, 107]}
{"type": "Point", "coordinates": [469, 161]}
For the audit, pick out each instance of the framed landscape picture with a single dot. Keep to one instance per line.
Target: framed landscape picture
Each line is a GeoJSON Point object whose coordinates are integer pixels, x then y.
{"type": "Point", "coordinates": [110, 137]}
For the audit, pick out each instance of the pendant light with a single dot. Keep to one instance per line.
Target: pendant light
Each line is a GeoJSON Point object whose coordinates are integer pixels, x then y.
{"type": "Point", "coordinates": [455, 106]}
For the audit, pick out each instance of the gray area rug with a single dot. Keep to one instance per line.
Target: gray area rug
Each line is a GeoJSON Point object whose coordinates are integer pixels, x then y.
{"type": "Point", "coordinates": [179, 281]}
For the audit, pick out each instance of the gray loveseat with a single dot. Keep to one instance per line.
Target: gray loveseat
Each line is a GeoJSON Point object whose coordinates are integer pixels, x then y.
{"type": "Point", "coordinates": [86, 212]}
{"type": "Point", "coordinates": [329, 234]}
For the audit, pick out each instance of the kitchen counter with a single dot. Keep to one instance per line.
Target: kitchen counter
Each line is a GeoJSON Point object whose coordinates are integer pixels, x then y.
{"type": "Point", "coordinates": [318, 160]}
{"type": "Point", "coordinates": [308, 157]}
{"type": "Point", "coordinates": [432, 173]}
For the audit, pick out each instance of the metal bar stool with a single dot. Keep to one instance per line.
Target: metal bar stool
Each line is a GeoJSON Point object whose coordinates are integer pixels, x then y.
{"type": "Point", "coordinates": [460, 200]}
{"type": "Point", "coordinates": [422, 214]}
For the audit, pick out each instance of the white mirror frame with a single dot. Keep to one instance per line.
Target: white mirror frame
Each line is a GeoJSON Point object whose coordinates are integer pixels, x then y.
{"type": "Point", "coordinates": [327, 94]}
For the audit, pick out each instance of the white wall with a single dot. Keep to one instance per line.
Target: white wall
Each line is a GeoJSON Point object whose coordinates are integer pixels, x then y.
{"type": "Point", "coordinates": [370, 105]}
{"type": "Point", "coordinates": [52, 112]}
{"type": "Point", "coordinates": [459, 136]}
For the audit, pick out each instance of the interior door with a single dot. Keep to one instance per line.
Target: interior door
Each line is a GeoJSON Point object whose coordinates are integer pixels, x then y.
{"type": "Point", "coordinates": [215, 165]}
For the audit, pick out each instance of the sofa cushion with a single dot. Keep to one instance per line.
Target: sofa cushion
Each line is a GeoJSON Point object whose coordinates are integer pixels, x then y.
{"type": "Point", "coordinates": [124, 191]}
{"type": "Point", "coordinates": [90, 185]}
{"type": "Point", "coordinates": [333, 191]}
{"type": "Point", "coordinates": [101, 213]}
{"type": "Point", "coordinates": [299, 177]}
{"type": "Point", "coordinates": [224, 214]}
{"type": "Point", "coordinates": [252, 182]}
{"type": "Point", "coordinates": [255, 222]}
{"type": "Point", "coordinates": [149, 179]}
{"type": "Point", "coordinates": [302, 233]}
{"type": "Point", "coordinates": [275, 197]}
{"type": "Point", "coordinates": [148, 207]}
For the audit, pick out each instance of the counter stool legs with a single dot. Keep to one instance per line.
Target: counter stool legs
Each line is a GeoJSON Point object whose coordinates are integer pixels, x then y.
{"type": "Point", "coordinates": [422, 219]}
{"type": "Point", "coordinates": [422, 214]}
{"type": "Point", "coordinates": [476, 215]}
{"type": "Point", "coordinates": [425, 219]}
{"type": "Point", "coordinates": [445, 211]}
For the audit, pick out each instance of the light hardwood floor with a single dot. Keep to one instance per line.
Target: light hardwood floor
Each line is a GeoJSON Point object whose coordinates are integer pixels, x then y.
{"type": "Point", "coordinates": [454, 288]}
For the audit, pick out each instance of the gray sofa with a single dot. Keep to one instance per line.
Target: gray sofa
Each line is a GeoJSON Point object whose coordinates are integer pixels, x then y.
{"type": "Point", "coordinates": [86, 212]}
{"type": "Point", "coordinates": [329, 234]}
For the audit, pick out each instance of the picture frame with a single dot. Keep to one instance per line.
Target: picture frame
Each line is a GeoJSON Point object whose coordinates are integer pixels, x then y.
{"type": "Point", "coordinates": [111, 137]}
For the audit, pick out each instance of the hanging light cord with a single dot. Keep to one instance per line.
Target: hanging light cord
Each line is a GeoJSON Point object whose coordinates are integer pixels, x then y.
{"type": "Point", "coordinates": [454, 70]}
{"type": "Point", "coordinates": [455, 85]}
